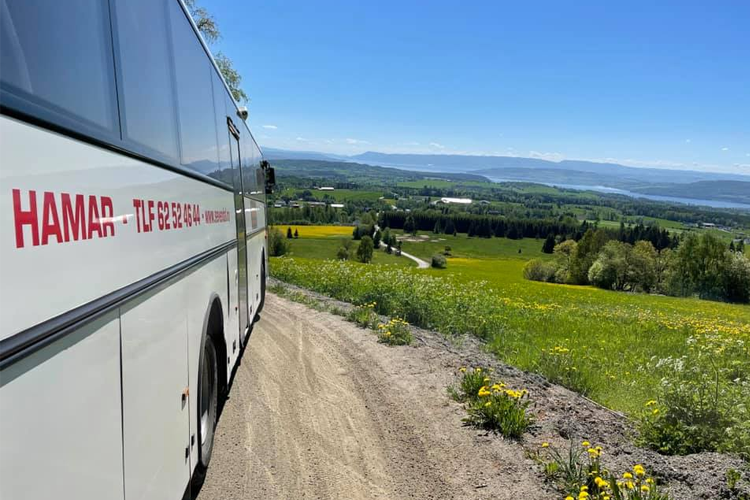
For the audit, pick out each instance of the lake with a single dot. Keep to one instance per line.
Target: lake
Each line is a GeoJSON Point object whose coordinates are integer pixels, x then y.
{"type": "Point", "coordinates": [655, 197]}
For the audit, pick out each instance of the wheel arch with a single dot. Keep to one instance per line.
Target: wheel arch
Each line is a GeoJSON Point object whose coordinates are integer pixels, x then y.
{"type": "Point", "coordinates": [213, 328]}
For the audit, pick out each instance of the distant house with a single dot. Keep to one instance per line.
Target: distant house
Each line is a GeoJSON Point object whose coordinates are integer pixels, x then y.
{"type": "Point", "coordinates": [295, 204]}
{"type": "Point", "coordinates": [708, 224]}
{"type": "Point", "coordinates": [457, 201]}
{"type": "Point", "coordinates": [337, 205]}
{"type": "Point", "coordinates": [484, 202]}
{"type": "Point", "coordinates": [316, 203]}
{"type": "Point", "coordinates": [325, 188]}
{"type": "Point", "coordinates": [279, 204]}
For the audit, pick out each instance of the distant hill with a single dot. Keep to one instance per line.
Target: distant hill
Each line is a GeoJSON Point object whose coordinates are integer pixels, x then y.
{"type": "Point", "coordinates": [577, 174]}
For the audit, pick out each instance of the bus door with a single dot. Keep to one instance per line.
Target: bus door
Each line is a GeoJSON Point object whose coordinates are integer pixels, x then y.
{"type": "Point", "coordinates": [239, 209]}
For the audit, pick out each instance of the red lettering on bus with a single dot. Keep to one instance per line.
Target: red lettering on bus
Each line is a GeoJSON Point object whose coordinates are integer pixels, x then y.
{"type": "Point", "coordinates": [95, 225]}
{"type": "Point", "coordinates": [23, 217]}
{"type": "Point", "coordinates": [74, 221]}
{"type": "Point", "coordinates": [50, 219]}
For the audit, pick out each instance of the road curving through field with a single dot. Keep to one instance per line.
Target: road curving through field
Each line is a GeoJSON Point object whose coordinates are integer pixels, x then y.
{"type": "Point", "coordinates": [320, 410]}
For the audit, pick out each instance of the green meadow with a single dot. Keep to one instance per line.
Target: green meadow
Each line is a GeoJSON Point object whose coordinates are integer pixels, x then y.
{"type": "Point", "coordinates": [614, 347]}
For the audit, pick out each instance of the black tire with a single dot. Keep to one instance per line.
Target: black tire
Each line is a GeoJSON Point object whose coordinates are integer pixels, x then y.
{"type": "Point", "coordinates": [208, 404]}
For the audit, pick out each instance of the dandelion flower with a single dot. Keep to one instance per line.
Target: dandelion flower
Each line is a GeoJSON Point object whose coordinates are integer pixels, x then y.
{"type": "Point", "coordinates": [545, 445]}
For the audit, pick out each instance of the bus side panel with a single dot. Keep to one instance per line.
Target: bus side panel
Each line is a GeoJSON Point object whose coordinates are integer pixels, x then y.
{"type": "Point", "coordinates": [155, 377]}
{"type": "Point", "coordinates": [70, 207]}
{"type": "Point", "coordinates": [207, 281]}
{"type": "Point", "coordinates": [60, 426]}
{"type": "Point", "coordinates": [255, 252]}
{"type": "Point", "coordinates": [231, 305]}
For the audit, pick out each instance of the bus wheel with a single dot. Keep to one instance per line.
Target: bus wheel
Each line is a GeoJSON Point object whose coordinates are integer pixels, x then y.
{"type": "Point", "coordinates": [208, 403]}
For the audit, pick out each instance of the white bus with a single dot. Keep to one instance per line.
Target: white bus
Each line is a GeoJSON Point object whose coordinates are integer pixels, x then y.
{"type": "Point", "coordinates": [132, 248]}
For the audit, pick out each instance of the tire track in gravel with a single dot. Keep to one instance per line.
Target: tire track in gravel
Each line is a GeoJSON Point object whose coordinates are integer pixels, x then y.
{"type": "Point", "coordinates": [320, 410]}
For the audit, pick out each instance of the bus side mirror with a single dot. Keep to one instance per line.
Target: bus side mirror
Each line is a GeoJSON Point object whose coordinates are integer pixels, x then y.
{"type": "Point", "coordinates": [270, 180]}
{"type": "Point", "coordinates": [270, 176]}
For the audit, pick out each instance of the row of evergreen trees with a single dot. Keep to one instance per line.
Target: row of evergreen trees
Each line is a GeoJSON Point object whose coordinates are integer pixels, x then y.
{"type": "Point", "coordinates": [486, 226]}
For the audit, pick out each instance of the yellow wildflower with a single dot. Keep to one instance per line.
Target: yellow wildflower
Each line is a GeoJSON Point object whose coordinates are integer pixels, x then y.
{"type": "Point", "coordinates": [628, 475]}
{"type": "Point", "coordinates": [585, 444]}
{"type": "Point", "coordinates": [462, 369]}
{"type": "Point", "coordinates": [639, 470]}
{"type": "Point", "coordinates": [545, 445]}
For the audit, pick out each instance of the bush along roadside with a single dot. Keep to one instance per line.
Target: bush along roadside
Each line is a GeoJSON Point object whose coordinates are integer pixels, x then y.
{"type": "Point", "coordinates": [395, 332]}
{"type": "Point", "coordinates": [490, 404]}
{"type": "Point", "coordinates": [580, 475]}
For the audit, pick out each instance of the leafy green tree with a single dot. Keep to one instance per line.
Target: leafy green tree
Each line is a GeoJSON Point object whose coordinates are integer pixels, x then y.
{"type": "Point", "coordinates": [736, 278]}
{"type": "Point", "coordinates": [642, 265]}
{"type": "Point", "coordinates": [564, 253]}
{"type": "Point", "coordinates": [586, 252]}
{"type": "Point", "coordinates": [365, 249]}
{"type": "Point", "coordinates": [612, 269]}
{"type": "Point", "coordinates": [210, 30]}
{"type": "Point", "coordinates": [699, 264]}
{"type": "Point", "coordinates": [376, 239]}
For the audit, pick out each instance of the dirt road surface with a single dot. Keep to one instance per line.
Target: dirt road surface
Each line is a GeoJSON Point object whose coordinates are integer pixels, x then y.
{"type": "Point", "coordinates": [320, 410]}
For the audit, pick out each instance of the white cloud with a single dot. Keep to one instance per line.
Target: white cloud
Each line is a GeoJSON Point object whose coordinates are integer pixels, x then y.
{"type": "Point", "coordinates": [725, 149]}
{"type": "Point", "coordinates": [436, 145]}
{"type": "Point", "coordinates": [302, 139]}
{"type": "Point", "coordinates": [356, 141]}
{"type": "Point", "coordinates": [272, 127]}
{"type": "Point", "coordinates": [547, 156]}
{"type": "Point", "coordinates": [412, 143]}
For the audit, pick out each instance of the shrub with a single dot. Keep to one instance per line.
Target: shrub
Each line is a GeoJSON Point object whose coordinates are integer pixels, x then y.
{"type": "Point", "coordinates": [703, 403]}
{"type": "Point", "coordinates": [289, 234]}
{"type": "Point", "coordinates": [277, 245]}
{"type": "Point", "coordinates": [492, 406]}
{"type": "Point", "coordinates": [447, 251]}
{"type": "Point", "coordinates": [395, 332]}
{"type": "Point", "coordinates": [439, 261]}
{"type": "Point", "coordinates": [539, 270]}
{"type": "Point", "coordinates": [363, 315]}
{"type": "Point", "coordinates": [342, 253]}
{"type": "Point", "coordinates": [579, 474]}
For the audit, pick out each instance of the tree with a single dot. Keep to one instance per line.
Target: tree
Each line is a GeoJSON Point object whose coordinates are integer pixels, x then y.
{"type": "Point", "coordinates": [587, 250]}
{"type": "Point", "coordinates": [564, 255]}
{"type": "Point", "coordinates": [376, 239]}
{"type": "Point", "coordinates": [643, 265]}
{"type": "Point", "coordinates": [699, 264]}
{"type": "Point", "coordinates": [549, 243]}
{"type": "Point", "coordinates": [611, 270]}
{"type": "Point", "coordinates": [210, 30]}
{"type": "Point", "coordinates": [277, 245]}
{"type": "Point", "coordinates": [731, 246]}
{"type": "Point", "coordinates": [741, 246]}
{"type": "Point", "coordinates": [357, 233]}
{"type": "Point", "coordinates": [736, 278]}
{"type": "Point", "coordinates": [296, 234]}
{"type": "Point", "coordinates": [289, 233]}
{"type": "Point", "coordinates": [365, 249]}
{"type": "Point", "coordinates": [342, 253]}
{"type": "Point", "coordinates": [409, 225]}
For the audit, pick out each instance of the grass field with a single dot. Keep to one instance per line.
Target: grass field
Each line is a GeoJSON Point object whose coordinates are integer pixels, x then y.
{"type": "Point", "coordinates": [322, 243]}
{"type": "Point", "coordinates": [609, 345]}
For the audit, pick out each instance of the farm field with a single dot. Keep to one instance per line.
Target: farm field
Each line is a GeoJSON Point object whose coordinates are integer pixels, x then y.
{"type": "Point", "coordinates": [614, 347]}
{"type": "Point", "coordinates": [322, 243]}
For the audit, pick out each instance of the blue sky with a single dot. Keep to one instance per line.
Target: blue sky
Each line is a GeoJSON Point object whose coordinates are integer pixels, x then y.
{"type": "Point", "coordinates": [644, 83]}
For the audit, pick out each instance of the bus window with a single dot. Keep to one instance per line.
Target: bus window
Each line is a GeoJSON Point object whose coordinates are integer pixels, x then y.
{"type": "Point", "coordinates": [145, 75]}
{"type": "Point", "coordinates": [194, 96]}
{"type": "Point", "coordinates": [56, 62]}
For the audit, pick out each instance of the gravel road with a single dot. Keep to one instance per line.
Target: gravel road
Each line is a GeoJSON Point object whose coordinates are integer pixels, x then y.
{"type": "Point", "coordinates": [320, 410]}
